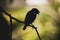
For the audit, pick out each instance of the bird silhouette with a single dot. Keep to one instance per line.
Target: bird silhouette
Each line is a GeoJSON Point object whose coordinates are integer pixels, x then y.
{"type": "Point", "coordinates": [30, 17]}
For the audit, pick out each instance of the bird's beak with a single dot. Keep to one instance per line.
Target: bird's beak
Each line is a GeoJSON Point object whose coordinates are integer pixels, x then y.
{"type": "Point", "coordinates": [38, 13]}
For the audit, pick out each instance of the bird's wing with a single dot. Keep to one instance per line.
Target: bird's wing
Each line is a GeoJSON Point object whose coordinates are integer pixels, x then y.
{"type": "Point", "coordinates": [30, 17]}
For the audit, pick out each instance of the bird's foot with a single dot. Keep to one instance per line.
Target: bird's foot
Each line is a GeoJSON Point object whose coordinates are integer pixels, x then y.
{"type": "Point", "coordinates": [34, 27]}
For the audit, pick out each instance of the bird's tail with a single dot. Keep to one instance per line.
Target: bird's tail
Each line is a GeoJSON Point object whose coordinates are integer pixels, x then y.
{"type": "Point", "coordinates": [24, 27]}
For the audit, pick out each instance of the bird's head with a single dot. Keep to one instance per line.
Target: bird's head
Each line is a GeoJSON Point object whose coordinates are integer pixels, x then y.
{"type": "Point", "coordinates": [36, 11]}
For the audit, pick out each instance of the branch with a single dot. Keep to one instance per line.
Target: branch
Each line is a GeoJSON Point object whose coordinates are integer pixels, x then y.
{"type": "Point", "coordinates": [10, 15]}
{"type": "Point", "coordinates": [22, 22]}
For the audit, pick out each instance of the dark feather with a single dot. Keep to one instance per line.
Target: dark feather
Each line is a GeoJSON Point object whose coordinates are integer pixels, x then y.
{"type": "Point", "coordinates": [30, 17]}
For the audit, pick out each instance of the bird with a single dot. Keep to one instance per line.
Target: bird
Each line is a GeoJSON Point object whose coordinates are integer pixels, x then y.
{"type": "Point", "coordinates": [30, 17]}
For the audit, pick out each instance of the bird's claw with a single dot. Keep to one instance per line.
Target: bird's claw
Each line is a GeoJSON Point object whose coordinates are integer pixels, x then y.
{"type": "Point", "coordinates": [34, 27]}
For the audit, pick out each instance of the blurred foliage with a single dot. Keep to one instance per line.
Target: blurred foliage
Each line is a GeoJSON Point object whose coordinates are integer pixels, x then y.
{"type": "Point", "coordinates": [55, 6]}
{"type": "Point", "coordinates": [10, 1]}
{"type": "Point", "coordinates": [16, 25]}
{"type": "Point", "coordinates": [44, 18]}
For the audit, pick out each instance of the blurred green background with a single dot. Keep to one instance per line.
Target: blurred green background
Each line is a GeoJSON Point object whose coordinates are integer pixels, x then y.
{"type": "Point", "coordinates": [47, 22]}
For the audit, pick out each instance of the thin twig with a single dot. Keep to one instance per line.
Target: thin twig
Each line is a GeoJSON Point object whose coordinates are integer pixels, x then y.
{"type": "Point", "coordinates": [36, 31]}
{"type": "Point", "coordinates": [10, 27]}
